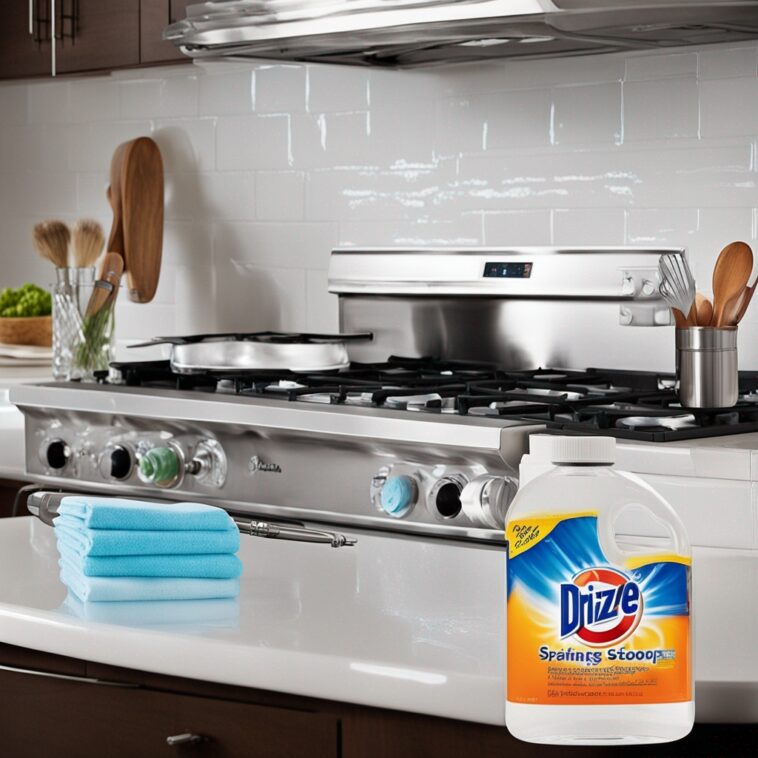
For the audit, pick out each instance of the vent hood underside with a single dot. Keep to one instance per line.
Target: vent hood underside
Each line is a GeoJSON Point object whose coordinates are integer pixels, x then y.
{"type": "Point", "coordinates": [402, 33]}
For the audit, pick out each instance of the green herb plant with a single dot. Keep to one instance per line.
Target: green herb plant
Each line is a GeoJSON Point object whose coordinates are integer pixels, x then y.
{"type": "Point", "coordinates": [24, 302]}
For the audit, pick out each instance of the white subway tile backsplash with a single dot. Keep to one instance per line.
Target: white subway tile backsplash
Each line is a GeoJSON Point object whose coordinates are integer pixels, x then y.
{"type": "Point", "coordinates": [280, 245]}
{"type": "Point", "coordinates": [517, 228]}
{"type": "Point", "coordinates": [187, 243]}
{"type": "Point", "coordinates": [519, 117]}
{"type": "Point", "coordinates": [269, 165]}
{"type": "Point", "coordinates": [588, 226]}
{"type": "Point", "coordinates": [253, 142]}
{"type": "Point", "coordinates": [322, 313]}
{"type": "Point", "coordinates": [91, 195]}
{"type": "Point", "coordinates": [96, 99]}
{"type": "Point", "coordinates": [333, 89]}
{"type": "Point", "coordinates": [49, 103]}
{"type": "Point", "coordinates": [716, 228]}
{"type": "Point", "coordinates": [280, 196]}
{"type": "Point", "coordinates": [226, 89]}
{"type": "Point", "coordinates": [280, 88]}
{"type": "Point", "coordinates": [663, 109]}
{"type": "Point", "coordinates": [668, 227]}
{"type": "Point", "coordinates": [196, 298]}
{"type": "Point", "coordinates": [187, 144]}
{"type": "Point", "coordinates": [91, 145]}
{"type": "Point", "coordinates": [227, 195]}
{"type": "Point", "coordinates": [726, 63]}
{"type": "Point", "coordinates": [14, 103]}
{"type": "Point", "coordinates": [729, 107]}
{"type": "Point", "coordinates": [460, 126]}
{"type": "Point", "coordinates": [660, 65]}
{"type": "Point", "coordinates": [253, 299]}
{"type": "Point", "coordinates": [587, 114]}
{"type": "Point", "coordinates": [141, 98]}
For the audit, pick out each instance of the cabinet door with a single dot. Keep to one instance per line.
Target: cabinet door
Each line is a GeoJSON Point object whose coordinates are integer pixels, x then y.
{"type": "Point", "coordinates": [105, 35]}
{"type": "Point", "coordinates": [22, 54]}
{"type": "Point", "coordinates": [155, 16]}
{"type": "Point", "coordinates": [55, 716]}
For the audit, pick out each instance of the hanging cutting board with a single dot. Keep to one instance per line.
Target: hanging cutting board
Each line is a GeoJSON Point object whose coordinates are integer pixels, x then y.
{"type": "Point", "coordinates": [136, 196]}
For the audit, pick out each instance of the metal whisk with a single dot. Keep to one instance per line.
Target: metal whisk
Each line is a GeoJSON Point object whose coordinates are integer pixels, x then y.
{"type": "Point", "coordinates": [677, 287]}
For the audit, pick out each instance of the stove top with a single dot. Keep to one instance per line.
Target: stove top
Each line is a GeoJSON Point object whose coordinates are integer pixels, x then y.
{"type": "Point", "coordinates": [635, 405]}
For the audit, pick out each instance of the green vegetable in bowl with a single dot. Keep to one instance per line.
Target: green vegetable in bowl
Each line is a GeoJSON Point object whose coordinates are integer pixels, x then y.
{"type": "Point", "coordinates": [27, 300]}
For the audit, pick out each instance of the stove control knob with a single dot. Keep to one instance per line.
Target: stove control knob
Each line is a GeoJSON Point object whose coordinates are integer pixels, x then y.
{"type": "Point", "coordinates": [485, 500]}
{"type": "Point", "coordinates": [57, 454]}
{"type": "Point", "coordinates": [160, 465]}
{"type": "Point", "coordinates": [398, 495]}
{"type": "Point", "coordinates": [120, 462]}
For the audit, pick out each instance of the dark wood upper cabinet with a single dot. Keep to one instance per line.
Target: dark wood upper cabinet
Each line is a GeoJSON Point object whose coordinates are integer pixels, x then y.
{"type": "Point", "coordinates": [91, 35]}
{"type": "Point", "coordinates": [21, 53]}
{"type": "Point", "coordinates": [155, 16]}
{"type": "Point", "coordinates": [97, 34]}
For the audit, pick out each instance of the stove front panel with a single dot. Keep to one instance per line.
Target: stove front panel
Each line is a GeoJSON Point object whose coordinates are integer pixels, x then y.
{"type": "Point", "coordinates": [268, 471]}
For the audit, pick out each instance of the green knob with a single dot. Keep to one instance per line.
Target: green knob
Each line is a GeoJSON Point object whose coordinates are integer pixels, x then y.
{"type": "Point", "coordinates": [159, 464]}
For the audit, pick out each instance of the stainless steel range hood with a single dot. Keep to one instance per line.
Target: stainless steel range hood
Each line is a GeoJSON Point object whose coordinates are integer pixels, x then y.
{"type": "Point", "coordinates": [423, 32]}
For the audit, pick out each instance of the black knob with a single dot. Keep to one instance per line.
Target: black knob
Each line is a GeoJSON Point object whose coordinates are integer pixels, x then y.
{"type": "Point", "coordinates": [57, 454]}
{"type": "Point", "coordinates": [121, 463]}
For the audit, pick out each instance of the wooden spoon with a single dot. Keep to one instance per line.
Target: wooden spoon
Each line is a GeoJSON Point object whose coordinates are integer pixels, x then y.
{"type": "Point", "coordinates": [730, 277]}
{"type": "Point", "coordinates": [116, 238]}
{"type": "Point", "coordinates": [703, 310]}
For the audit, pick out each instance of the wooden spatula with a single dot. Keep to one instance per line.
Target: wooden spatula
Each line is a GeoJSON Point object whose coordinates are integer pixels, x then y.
{"type": "Point", "coordinates": [142, 203]}
{"type": "Point", "coordinates": [730, 277]}
{"type": "Point", "coordinates": [107, 284]}
{"type": "Point", "coordinates": [116, 237]}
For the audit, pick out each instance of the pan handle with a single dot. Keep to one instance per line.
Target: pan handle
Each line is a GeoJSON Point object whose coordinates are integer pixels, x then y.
{"type": "Point", "coordinates": [262, 336]}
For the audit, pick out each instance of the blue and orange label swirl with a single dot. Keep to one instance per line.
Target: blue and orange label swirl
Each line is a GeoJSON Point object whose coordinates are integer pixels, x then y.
{"type": "Point", "coordinates": [582, 631]}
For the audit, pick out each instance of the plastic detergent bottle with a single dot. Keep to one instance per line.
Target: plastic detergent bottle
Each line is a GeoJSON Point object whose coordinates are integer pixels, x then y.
{"type": "Point", "coordinates": [598, 626]}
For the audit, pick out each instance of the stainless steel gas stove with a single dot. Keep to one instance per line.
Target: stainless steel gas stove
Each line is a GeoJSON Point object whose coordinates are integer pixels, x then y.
{"type": "Point", "coordinates": [416, 423]}
{"type": "Point", "coordinates": [425, 443]}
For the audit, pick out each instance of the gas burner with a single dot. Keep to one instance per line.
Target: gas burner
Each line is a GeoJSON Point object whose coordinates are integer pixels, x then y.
{"type": "Point", "coordinates": [657, 422]}
{"type": "Point", "coordinates": [629, 404]}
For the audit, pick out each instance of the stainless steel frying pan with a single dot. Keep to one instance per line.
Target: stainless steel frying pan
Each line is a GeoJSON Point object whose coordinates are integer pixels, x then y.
{"type": "Point", "coordinates": [258, 351]}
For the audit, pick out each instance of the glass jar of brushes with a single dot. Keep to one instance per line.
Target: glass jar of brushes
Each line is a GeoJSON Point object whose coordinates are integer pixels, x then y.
{"type": "Point", "coordinates": [82, 337]}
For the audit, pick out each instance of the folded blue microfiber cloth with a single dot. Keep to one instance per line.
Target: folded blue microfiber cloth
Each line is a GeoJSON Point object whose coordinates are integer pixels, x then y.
{"type": "Point", "coordinates": [212, 566]}
{"type": "Point", "coordinates": [187, 616]}
{"type": "Point", "coordinates": [84, 542]}
{"type": "Point", "coordinates": [116, 513]}
{"type": "Point", "coordinates": [115, 589]}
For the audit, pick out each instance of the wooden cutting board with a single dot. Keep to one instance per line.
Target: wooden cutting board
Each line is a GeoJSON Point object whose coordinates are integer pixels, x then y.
{"type": "Point", "coordinates": [136, 196]}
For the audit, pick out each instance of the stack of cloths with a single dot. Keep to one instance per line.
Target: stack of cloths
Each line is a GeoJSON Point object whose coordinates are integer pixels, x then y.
{"type": "Point", "coordinates": [113, 549]}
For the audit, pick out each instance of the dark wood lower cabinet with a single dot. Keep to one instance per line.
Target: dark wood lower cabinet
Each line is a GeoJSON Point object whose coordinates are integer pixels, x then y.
{"type": "Point", "coordinates": [56, 706]}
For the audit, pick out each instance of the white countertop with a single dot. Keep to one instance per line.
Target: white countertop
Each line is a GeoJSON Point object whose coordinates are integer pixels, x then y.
{"type": "Point", "coordinates": [392, 622]}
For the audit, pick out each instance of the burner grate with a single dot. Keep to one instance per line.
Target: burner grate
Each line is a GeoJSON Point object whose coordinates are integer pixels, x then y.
{"type": "Point", "coordinates": [627, 404]}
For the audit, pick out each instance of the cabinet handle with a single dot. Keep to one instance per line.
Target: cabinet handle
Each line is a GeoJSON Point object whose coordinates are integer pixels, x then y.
{"type": "Point", "coordinates": [31, 17]}
{"type": "Point", "coordinates": [184, 739]}
{"type": "Point", "coordinates": [53, 30]}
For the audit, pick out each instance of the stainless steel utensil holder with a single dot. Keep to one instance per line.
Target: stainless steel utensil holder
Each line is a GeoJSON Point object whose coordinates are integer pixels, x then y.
{"type": "Point", "coordinates": [706, 367]}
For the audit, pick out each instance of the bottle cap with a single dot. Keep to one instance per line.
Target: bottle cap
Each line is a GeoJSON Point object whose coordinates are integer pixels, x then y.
{"type": "Point", "coordinates": [587, 450]}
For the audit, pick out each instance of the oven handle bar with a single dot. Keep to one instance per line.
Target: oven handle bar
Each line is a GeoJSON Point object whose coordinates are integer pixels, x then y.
{"type": "Point", "coordinates": [290, 532]}
{"type": "Point", "coordinates": [44, 505]}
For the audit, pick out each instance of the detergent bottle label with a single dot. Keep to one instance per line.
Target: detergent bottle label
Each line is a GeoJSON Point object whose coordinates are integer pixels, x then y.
{"type": "Point", "coordinates": [582, 631]}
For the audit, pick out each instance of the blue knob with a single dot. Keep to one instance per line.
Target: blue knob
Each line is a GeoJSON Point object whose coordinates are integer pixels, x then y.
{"type": "Point", "coordinates": [398, 494]}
